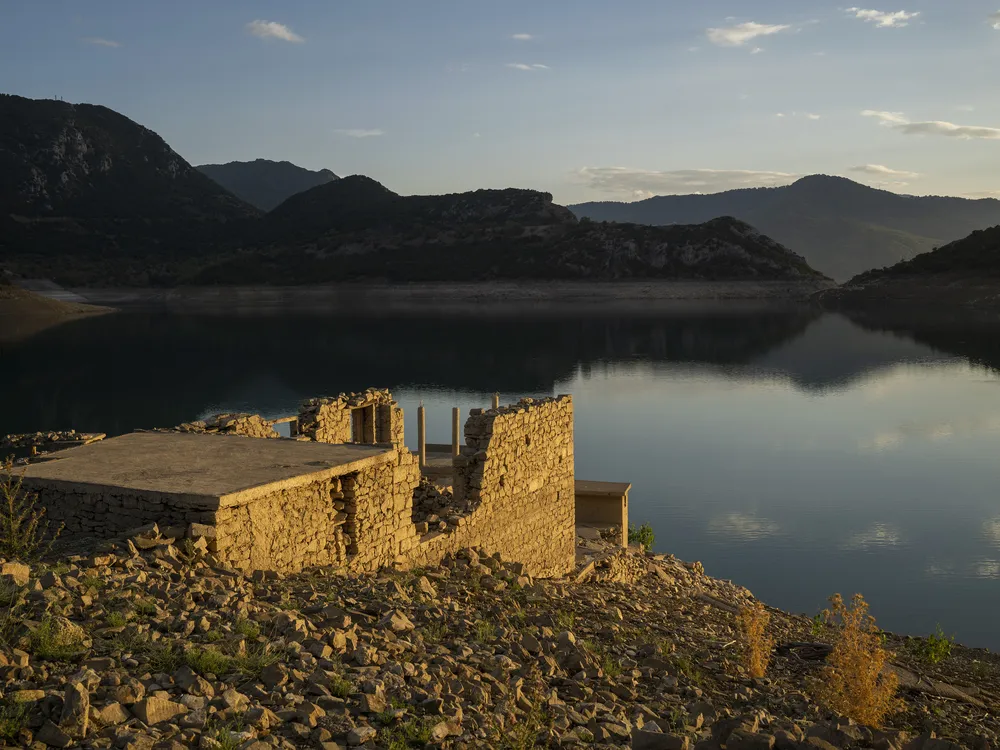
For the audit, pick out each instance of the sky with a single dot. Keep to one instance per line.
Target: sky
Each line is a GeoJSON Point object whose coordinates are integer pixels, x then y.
{"type": "Point", "coordinates": [587, 100]}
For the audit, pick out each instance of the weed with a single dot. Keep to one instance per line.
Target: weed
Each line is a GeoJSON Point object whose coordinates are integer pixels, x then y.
{"type": "Point", "coordinates": [208, 661]}
{"type": "Point", "coordinates": [163, 658]}
{"type": "Point", "coordinates": [819, 625]}
{"type": "Point", "coordinates": [486, 631]}
{"type": "Point", "coordinates": [565, 620]}
{"type": "Point", "coordinates": [92, 583]}
{"type": "Point", "coordinates": [854, 685]}
{"type": "Point", "coordinates": [642, 536]}
{"type": "Point", "coordinates": [611, 666]}
{"type": "Point", "coordinates": [433, 632]}
{"type": "Point", "coordinates": [686, 668]}
{"type": "Point", "coordinates": [757, 645]}
{"type": "Point", "coordinates": [341, 687]}
{"type": "Point", "coordinates": [410, 733]}
{"type": "Point", "coordinates": [145, 608]}
{"type": "Point", "coordinates": [116, 619]}
{"type": "Point", "coordinates": [24, 532]}
{"type": "Point", "coordinates": [57, 641]}
{"type": "Point", "coordinates": [665, 647]}
{"type": "Point", "coordinates": [224, 733]}
{"type": "Point", "coordinates": [936, 647]}
{"type": "Point", "coordinates": [246, 628]}
{"type": "Point", "coordinates": [212, 636]}
{"type": "Point", "coordinates": [13, 718]}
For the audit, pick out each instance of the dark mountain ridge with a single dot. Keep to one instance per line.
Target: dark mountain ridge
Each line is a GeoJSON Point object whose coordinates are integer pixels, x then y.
{"type": "Point", "coordinates": [841, 227]}
{"type": "Point", "coordinates": [90, 198]}
{"type": "Point", "coordinates": [264, 183]}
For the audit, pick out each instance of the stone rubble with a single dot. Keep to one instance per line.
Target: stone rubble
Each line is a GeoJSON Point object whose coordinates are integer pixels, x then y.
{"type": "Point", "coordinates": [153, 643]}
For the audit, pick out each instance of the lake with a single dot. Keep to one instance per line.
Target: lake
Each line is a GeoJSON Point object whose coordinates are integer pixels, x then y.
{"type": "Point", "coordinates": [796, 452]}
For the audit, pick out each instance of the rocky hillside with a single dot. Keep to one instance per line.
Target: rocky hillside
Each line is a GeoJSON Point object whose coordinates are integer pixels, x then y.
{"type": "Point", "coordinates": [264, 183]}
{"type": "Point", "coordinates": [966, 272]}
{"type": "Point", "coordinates": [356, 228]}
{"type": "Point", "coordinates": [150, 642]}
{"type": "Point", "coordinates": [842, 228]}
{"type": "Point", "coordinates": [90, 198]}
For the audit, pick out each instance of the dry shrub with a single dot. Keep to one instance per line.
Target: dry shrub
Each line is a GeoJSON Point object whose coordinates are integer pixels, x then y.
{"type": "Point", "coordinates": [757, 645]}
{"type": "Point", "coordinates": [24, 533]}
{"type": "Point", "coordinates": [854, 684]}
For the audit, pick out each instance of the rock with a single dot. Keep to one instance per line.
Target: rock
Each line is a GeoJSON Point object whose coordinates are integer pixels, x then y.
{"type": "Point", "coordinates": [76, 710]}
{"type": "Point", "coordinates": [112, 714]}
{"type": "Point", "coordinates": [741, 739]}
{"type": "Point", "coordinates": [643, 739]}
{"type": "Point", "coordinates": [53, 736]}
{"type": "Point", "coordinates": [152, 711]}
{"type": "Point", "coordinates": [360, 735]}
{"type": "Point", "coordinates": [15, 573]}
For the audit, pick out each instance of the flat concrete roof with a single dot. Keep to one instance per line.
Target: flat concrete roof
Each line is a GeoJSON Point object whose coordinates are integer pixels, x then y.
{"type": "Point", "coordinates": [205, 470]}
{"type": "Point", "coordinates": [611, 489]}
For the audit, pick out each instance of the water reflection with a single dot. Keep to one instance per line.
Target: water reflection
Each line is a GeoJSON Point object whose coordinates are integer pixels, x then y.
{"type": "Point", "coordinates": [795, 452]}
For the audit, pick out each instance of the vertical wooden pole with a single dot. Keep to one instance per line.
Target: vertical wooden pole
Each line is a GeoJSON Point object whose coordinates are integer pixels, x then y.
{"type": "Point", "coordinates": [421, 436]}
{"type": "Point", "coordinates": [454, 431]}
{"type": "Point", "coordinates": [496, 400]}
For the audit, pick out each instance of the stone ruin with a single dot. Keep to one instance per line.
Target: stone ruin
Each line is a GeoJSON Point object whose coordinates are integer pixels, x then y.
{"type": "Point", "coordinates": [346, 491]}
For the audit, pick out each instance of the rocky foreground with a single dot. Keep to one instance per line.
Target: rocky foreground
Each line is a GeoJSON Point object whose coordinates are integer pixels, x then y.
{"type": "Point", "coordinates": [150, 643]}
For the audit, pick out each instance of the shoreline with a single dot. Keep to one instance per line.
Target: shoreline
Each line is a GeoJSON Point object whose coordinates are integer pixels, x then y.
{"type": "Point", "coordinates": [495, 296]}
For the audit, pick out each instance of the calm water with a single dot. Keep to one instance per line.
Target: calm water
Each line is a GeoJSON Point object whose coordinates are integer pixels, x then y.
{"type": "Point", "coordinates": [796, 453]}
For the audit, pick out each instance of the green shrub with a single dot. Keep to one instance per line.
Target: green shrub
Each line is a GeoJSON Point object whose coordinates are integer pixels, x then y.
{"type": "Point", "coordinates": [24, 533]}
{"type": "Point", "coordinates": [936, 647]}
{"type": "Point", "coordinates": [642, 536]}
{"type": "Point", "coordinates": [13, 718]}
{"type": "Point", "coordinates": [57, 640]}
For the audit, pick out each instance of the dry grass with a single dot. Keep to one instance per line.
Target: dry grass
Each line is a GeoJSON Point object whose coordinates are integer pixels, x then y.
{"type": "Point", "coordinates": [757, 645]}
{"type": "Point", "coordinates": [24, 533]}
{"type": "Point", "coordinates": [854, 684]}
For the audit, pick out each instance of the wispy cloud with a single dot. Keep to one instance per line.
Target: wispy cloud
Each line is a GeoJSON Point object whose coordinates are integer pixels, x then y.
{"type": "Point", "coordinates": [995, 20]}
{"type": "Point", "coordinates": [740, 34]}
{"type": "Point", "coordinates": [812, 116]}
{"type": "Point", "coordinates": [360, 133]}
{"type": "Point", "coordinates": [526, 66]}
{"type": "Point", "coordinates": [880, 170]}
{"type": "Point", "coordinates": [522, 37]}
{"type": "Point", "coordinates": [273, 30]}
{"type": "Point", "coordinates": [100, 42]}
{"type": "Point", "coordinates": [643, 183]}
{"type": "Point", "coordinates": [984, 194]}
{"type": "Point", "coordinates": [883, 19]}
{"type": "Point", "coordinates": [897, 121]}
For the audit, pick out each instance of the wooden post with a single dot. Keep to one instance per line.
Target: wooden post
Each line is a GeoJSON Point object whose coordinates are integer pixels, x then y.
{"type": "Point", "coordinates": [496, 400]}
{"type": "Point", "coordinates": [455, 431]}
{"type": "Point", "coordinates": [421, 436]}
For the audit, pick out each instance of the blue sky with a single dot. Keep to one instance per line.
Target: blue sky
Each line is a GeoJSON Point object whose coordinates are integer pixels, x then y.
{"type": "Point", "coordinates": [589, 99]}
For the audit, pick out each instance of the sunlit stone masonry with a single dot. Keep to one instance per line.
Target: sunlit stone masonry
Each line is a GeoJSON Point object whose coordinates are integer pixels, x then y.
{"type": "Point", "coordinates": [339, 491]}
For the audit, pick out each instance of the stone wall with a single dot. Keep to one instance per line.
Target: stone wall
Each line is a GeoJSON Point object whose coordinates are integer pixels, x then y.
{"type": "Point", "coordinates": [371, 416]}
{"type": "Point", "coordinates": [517, 471]}
{"type": "Point", "coordinates": [248, 425]}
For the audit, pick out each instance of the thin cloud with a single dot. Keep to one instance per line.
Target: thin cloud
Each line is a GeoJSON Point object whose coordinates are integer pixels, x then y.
{"type": "Point", "coordinates": [96, 40]}
{"type": "Point", "coordinates": [995, 20]}
{"type": "Point", "coordinates": [882, 19]}
{"type": "Point", "coordinates": [880, 170]}
{"type": "Point", "coordinates": [645, 182]}
{"type": "Point", "coordinates": [811, 116]}
{"type": "Point", "coordinates": [360, 133]}
{"type": "Point", "coordinates": [740, 34]}
{"type": "Point", "coordinates": [522, 37]}
{"type": "Point", "coordinates": [273, 30]}
{"type": "Point", "coordinates": [526, 66]}
{"type": "Point", "coordinates": [984, 194]}
{"type": "Point", "coordinates": [897, 121]}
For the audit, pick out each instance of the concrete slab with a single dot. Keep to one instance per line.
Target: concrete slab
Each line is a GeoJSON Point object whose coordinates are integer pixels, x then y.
{"type": "Point", "coordinates": [611, 489]}
{"type": "Point", "coordinates": [221, 469]}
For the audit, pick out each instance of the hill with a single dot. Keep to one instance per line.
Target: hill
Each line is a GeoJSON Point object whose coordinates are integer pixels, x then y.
{"type": "Point", "coordinates": [264, 183]}
{"type": "Point", "coordinates": [83, 188]}
{"type": "Point", "coordinates": [842, 228]}
{"type": "Point", "coordinates": [966, 272]}
{"type": "Point", "coordinates": [91, 198]}
{"type": "Point", "coordinates": [356, 228]}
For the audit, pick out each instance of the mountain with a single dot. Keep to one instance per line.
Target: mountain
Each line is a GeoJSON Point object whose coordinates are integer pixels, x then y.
{"type": "Point", "coordinates": [842, 228]}
{"type": "Point", "coordinates": [966, 272]}
{"type": "Point", "coordinates": [91, 198]}
{"type": "Point", "coordinates": [85, 191]}
{"type": "Point", "coordinates": [356, 228]}
{"type": "Point", "coordinates": [264, 183]}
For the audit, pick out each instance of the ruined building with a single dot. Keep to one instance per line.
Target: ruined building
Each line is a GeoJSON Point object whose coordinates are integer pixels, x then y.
{"type": "Point", "coordinates": [339, 491]}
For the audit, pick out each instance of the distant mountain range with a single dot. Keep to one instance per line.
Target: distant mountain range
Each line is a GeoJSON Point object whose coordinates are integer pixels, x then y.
{"type": "Point", "coordinates": [264, 183]}
{"type": "Point", "coordinates": [88, 197]}
{"type": "Point", "coordinates": [840, 227]}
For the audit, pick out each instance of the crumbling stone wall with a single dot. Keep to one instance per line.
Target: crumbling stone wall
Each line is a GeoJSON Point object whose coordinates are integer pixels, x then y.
{"type": "Point", "coordinates": [517, 471]}
{"type": "Point", "coordinates": [287, 530]}
{"type": "Point", "coordinates": [329, 420]}
{"type": "Point", "coordinates": [111, 512]}
{"type": "Point", "coordinates": [248, 425]}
